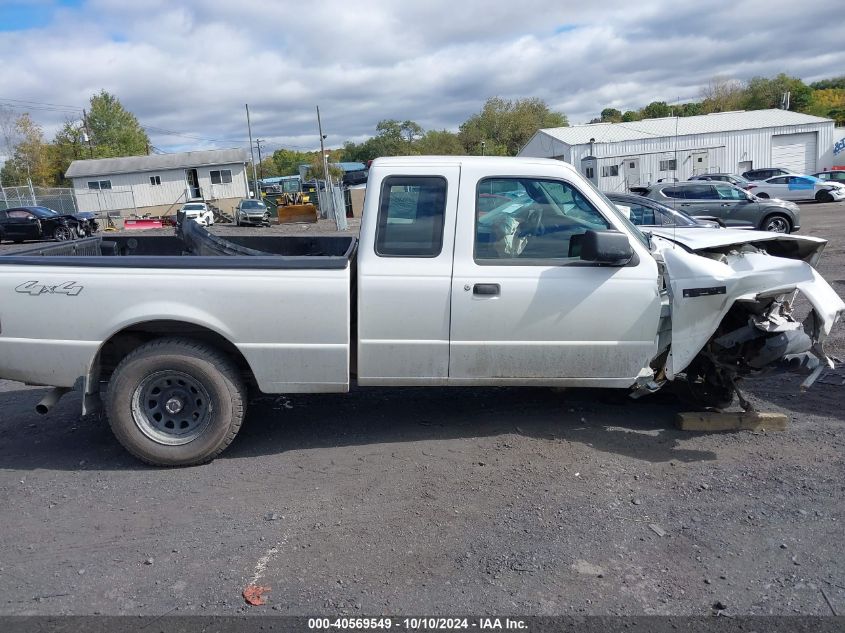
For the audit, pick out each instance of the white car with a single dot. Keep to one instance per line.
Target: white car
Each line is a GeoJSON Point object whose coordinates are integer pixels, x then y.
{"type": "Point", "coordinates": [198, 212]}
{"type": "Point", "coordinates": [798, 187]}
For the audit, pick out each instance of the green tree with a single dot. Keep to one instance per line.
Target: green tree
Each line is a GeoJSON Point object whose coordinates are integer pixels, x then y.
{"type": "Point", "coordinates": [114, 130]}
{"type": "Point", "coordinates": [827, 84]}
{"type": "Point", "coordinates": [30, 158]}
{"type": "Point", "coordinates": [611, 115]}
{"type": "Point", "coordinates": [440, 143]}
{"type": "Point", "coordinates": [286, 162]}
{"type": "Point", "coordinates": [656, 110]}
{"type": "Point", "coordinates": [763, 93]}
{"type": "Point", "coordinates": [631, 115]}
{"type": "Point", "coordinates": [506, 126]}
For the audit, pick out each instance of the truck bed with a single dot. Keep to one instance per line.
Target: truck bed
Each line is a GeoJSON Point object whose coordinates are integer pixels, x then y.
{"type": "Point", "coordinates": [283, 302]}
{"type": "Point", "coordinates": [193, 248]}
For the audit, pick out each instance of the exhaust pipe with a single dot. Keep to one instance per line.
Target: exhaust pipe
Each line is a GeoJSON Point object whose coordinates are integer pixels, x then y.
{"type": "Point", "coordinates": [50, 400]}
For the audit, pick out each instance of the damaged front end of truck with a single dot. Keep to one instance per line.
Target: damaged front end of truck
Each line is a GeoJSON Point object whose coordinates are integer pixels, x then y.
{"type": "Point", "coordinates": [741, 304]}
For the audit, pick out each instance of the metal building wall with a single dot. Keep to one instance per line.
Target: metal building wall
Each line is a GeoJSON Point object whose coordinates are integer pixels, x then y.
{"type": "Point", "coordinates": [725, 150]}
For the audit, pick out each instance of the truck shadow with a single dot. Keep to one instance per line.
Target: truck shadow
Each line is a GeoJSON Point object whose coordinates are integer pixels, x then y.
{"type": "Point", "coordinates": [605, 421]}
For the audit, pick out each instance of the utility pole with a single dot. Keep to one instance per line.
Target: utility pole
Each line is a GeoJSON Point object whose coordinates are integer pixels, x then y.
{"type": "Point", "coordinates": [87, 132]}
{"type": "Point", "coordinates": [258, 143]}
{"type": "Point", "coordinates": [252, 156]}
{"type": "Point", "coordinates": [325, 167]}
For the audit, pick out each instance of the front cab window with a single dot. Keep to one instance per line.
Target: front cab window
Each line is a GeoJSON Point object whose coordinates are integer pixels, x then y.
{"type": "Point", "coordinates": [533, 219]}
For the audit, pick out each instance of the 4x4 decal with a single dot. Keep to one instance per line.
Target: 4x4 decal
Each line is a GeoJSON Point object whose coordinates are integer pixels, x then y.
{"type": "Point", "coordinates": [36, 288]}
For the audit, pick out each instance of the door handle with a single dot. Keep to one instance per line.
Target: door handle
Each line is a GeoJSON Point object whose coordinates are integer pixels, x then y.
{"type": "Point", "coordinates": [486, 289]}
{"type": "Point", "coordinates": [685, 204]}
{"type": "Point", "coordinates": [726, 204]}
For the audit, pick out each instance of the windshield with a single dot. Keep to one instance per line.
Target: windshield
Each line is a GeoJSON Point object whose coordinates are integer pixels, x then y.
{"type": "Point", "coordinates": [43, 212]}
{"type": "Point", "coordinates": [252, 204]}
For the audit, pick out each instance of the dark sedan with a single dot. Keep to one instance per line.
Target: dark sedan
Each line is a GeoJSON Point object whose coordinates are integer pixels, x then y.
{"type": "Point", "coordinates": [40, 223]}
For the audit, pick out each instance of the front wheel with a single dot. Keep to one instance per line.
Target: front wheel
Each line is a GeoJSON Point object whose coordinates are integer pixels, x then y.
{"type": "Point", "coordinates": [777, 224]}
{"type": "Point", "coordinates": [763, 195]}
{"type": "Point", "coordinates": [62, 233]}
{"type": "Point", "coordinates": [824, 196]}
{"type": "Point", "coordinates": [175, 402]}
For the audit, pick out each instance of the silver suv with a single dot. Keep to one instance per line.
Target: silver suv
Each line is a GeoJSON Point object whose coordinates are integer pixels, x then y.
{"type": "Point", "coordinates": [734, 206]}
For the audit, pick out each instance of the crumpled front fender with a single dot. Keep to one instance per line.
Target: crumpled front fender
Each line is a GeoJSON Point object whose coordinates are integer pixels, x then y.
{"type": "Point", "coordinates": [703, 289]}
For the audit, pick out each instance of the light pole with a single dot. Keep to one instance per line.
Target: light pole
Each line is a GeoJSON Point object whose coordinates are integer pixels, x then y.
{"type": "Point", "coordinates": [482, 148]}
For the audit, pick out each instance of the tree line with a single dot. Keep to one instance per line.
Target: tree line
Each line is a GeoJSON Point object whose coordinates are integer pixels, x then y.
{"type": "Point", "coordinates": [824, 98]}
{"type": "Point", "coordinates": [106, 130]}
{"type": "Point", "coordinates": [501, 128]}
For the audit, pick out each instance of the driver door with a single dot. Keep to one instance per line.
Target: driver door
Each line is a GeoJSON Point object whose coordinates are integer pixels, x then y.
{"type": "Point", "coordinates": [22, 225]}
{"type": "Point", "coordinates": [525, 309]}
{"type": "Point", "coordinates": [733, 206]}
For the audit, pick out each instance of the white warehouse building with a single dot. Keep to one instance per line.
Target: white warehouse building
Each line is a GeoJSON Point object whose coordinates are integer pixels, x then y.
{"type": "Point", "coordinates": [159, 183]}
{"type": "Point", "coordinates": [617, 156]}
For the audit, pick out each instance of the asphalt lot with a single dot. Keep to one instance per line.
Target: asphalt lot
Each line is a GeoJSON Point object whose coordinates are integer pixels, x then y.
{"type": "Point", "coordinates": [439, 501]}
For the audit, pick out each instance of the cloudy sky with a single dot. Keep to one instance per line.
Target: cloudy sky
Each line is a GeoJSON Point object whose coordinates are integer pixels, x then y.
{"type": "Point", "coordinates": [185, 69]}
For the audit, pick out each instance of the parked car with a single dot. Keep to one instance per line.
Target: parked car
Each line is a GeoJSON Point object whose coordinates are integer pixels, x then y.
{"type": "Point", "coordinates": [40, 223]}
{"type": "Point", "coordinates": [732, 205]}
{"type": "Point", "coordinates": [251, 211]}
{"type": "Point", "coordinates": [561, 291]}
{"type": "Point", "coordinates": [196, 211]}
{"type": "Point", "coordinates": [798, 188]}
{"type": "Point", "coordinates": [739, 181]}
{"type": "Point", "coordinates": [649, 213]}
{"type": "Point", "coordinates": [766, 172]}
{"type": "Point", "coordinates": [835, 175]}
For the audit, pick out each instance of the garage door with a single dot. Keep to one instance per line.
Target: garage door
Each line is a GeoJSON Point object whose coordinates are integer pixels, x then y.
{"type": "Point", "coordinates": [795, 151]}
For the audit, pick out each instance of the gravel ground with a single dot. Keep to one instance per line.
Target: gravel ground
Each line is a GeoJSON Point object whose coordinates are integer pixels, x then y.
{"type": "Point", "coordinates": [438, 501]}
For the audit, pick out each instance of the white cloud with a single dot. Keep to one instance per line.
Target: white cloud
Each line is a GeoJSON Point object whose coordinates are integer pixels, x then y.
{"type": "Point", "coordinates": [191, 67]}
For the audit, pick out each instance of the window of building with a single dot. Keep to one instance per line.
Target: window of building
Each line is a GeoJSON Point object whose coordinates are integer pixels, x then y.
{"type": "Point", "coordinates": [544, 220]}
{"type": "Point", "coordinates": [609, 170]}
{"type": "Point", "coordinates": [590, 173]}
{"type": "Point", "coordinates": [221, 176]}
{"type": "Point", "coordinates": [99, 184]}
{"type": "Point", "coordinates": [411, 216]}
{"type": "Point", "coordinates": [155, 180]}
{"type": "Point", "coordinates": [668, 165]}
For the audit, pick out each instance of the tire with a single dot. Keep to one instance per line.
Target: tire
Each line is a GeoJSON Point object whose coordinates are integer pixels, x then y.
{"type": "Point", "coordinates": [63, 234]}
{"type": "Point", "coordinates": [703, 387]}
{"type": "Point", "coordinates": [237, 219]}
{"type": "Point", "coordinates": [776, 223]}
{"type": "Point", "coordinates": [824, 196]}
{"type": "Point", "coordinates": [173, 370]}
{"type": "Point", "coordinates": [763, 195]}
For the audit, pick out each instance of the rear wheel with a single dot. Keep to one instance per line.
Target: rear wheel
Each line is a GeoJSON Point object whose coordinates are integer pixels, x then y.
{"type": "Point", "coordinates": [175, 402]}
{"type": "Point", "coordinates": [824, 196]}
{"type": "Point", "coordinates": [777, 223]}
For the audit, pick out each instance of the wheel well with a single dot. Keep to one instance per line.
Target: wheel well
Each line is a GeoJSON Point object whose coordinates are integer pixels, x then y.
{"type": "Point", "coordinates": [124, 342]}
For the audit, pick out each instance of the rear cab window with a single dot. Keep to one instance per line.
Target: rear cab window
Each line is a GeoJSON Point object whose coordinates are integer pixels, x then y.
{"type": "Point", "coordinates": [411, 215]}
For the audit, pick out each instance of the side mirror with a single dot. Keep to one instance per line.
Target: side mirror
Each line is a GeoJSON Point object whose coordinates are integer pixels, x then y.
{"type": "Point", "coordinates": [606, 247]}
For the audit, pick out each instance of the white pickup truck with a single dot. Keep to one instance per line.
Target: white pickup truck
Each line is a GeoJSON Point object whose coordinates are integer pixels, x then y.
{"type": "Point", "coordinates": [468, 271]}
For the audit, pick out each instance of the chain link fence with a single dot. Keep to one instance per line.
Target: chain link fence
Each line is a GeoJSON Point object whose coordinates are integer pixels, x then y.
{"type": "Point", "coordinates": [65, 200]}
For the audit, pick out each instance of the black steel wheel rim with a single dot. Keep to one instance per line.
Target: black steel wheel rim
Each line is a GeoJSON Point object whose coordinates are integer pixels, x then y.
{"type": "Point", "coordinates": [171, 407]}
